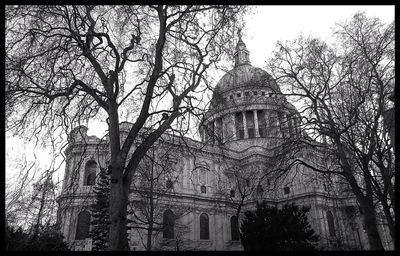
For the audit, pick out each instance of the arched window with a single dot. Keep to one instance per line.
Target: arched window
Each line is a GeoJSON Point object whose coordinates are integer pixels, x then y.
{"type": "Point", "coordinates": [90, 173]}
{"type": "Point", "coordinates": [203, 189]}
{"type": "Point", "coordinates": [234, 228]}
{"type": "Point", "coordinates": [83, 226]}
{"type": "Point", "coordinates": [331, 224]}
{"type": "Point", "coordinates": [204, 227]}
{"type": "Point", "coordinates": [168, 222]}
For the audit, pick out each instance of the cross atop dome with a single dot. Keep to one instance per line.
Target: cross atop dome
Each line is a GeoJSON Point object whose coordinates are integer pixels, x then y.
{"type": "Point", "coordinates": [241, 53]}
{"type": "Point", "coordinates": [240, 34]}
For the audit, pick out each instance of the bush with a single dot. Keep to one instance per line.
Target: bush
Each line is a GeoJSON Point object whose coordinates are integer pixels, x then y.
{"type": "Point", "coordinates": [48, 239]}
{"type": "Point", "coordinates": [270, 228]}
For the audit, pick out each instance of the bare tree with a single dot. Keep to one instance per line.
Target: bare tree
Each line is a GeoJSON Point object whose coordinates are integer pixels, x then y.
{"type": "Point", "coordinates": [240, 185]}
{"type": "Point", "coordinates": [344, 93]}
{"type": "Point", "coordinates": [155, 189]}
{"type": "Point", "coordinates": [33, 206]}
{"type": "Point", "coordinates": [70, 64]}
{"type": "Point", "coordinates": [180, 241]}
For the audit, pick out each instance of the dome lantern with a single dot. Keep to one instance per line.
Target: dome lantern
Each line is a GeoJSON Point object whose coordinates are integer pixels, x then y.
{"type": "Point", "coordinates": [241, 53]}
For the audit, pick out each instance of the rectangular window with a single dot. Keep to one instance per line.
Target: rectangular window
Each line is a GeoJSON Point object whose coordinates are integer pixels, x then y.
{"type": "Point", "coordinates": [247, 94]}
{"type": "Point", "coordinates": [239, 95]}
{"type": "Point", "coordinates": [231, 97]}
{"type": "Point", "coordinates": [169, 184]}
{"type": "Point", "coordinates": [263, 93]}
{"type": "Point", "coordinates": [286, 190]}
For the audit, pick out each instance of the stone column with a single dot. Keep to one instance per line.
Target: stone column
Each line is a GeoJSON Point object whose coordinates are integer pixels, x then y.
{"type": "Point", "coordinates": [233, 123]}
{"type": "Point", "coordinates": [285, 125]}
{"type": "Point", "coordinates": [297, 124]}
{"type": "Point", "coordinates": [293, 124]}
{"type": "Point", "coordinates": [267, 123]}
{"type": "Point", "coordinates": [277, 124]}
{"type": "Point", "coordinates": [221, 127]}
{"type": "Point", "coordinates": [195, 233]}
{"type": "Point", "coordinates": [205, 134]}
{"type": "Point", "coordinates": [257, 134]}
{"type": "Point", "coordinates": [201, 130]}
{"type": "Point", "coordinates": [190, 165]}
{"type": "Point", "coordinates": [184, 173]}
{"type": "Point", "coordinates": [246, 133]}
{"type": "Point", "coordinates": [211, 132]}
{"type": "Point", "coordinates": [215, 133]}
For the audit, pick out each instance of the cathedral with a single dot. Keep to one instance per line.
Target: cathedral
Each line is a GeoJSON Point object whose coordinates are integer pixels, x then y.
{"type": "Point", "coordinates": [200, 189]}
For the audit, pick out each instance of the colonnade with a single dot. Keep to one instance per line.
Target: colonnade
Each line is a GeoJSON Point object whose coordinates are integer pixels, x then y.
{"type": "Point", "coordinates": [250, 124]}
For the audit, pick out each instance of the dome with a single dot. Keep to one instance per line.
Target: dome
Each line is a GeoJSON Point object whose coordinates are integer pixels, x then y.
{"type": "Point", "coordinates": [248, 109]}
{"type": "Point", "coordinates": [247, 76]}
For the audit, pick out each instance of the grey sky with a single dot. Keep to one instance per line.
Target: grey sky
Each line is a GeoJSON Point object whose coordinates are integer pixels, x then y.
{"type": "Point", "coordinates": [271, 23]}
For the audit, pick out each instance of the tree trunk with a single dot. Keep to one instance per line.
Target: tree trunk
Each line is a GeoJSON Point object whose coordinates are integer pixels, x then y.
{"type": "Point", "coordinates": [149, 235]}
{"type": "Point", "coordinates": [119, 192]}
{"type": "Point", "coordinates": [365, 201]}
{"type": "Point", "coordinates": [369, 220]}
{"type": "Point", "coordinates": [390, 221]}
{"type": "Point", "coordinates": [118, 216]}
{"type": "Point", "coordinates": [151, 202]}
{"type": "Point", "coordinates": [368, 208]}
{"type": "Point", "coordinates": [39, 215]}
{"type": "Point", "coordinates": [371, 228]}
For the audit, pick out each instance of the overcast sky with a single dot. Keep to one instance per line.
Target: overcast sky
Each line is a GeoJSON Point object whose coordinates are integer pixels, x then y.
{"type": "Point", "coordinates": [271, 23]}
{"type": "Point", "coordinates": [263, 28]}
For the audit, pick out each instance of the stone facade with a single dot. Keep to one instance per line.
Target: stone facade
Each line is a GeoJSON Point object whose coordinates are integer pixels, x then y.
{"type": "Point", "coordinates": [247, 121]}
